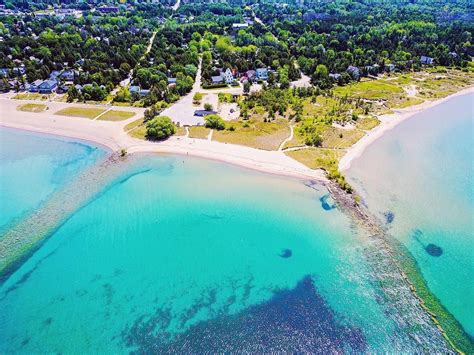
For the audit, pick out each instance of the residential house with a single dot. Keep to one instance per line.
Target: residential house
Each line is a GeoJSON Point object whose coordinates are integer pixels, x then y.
{"type": "Point", "coordinates": [218, 79]}
{"type": "Point", "coordinates": [4, 72]}
{"type": "Point", "coordinates": [47, 86]}
{"type": "Point", "coordinates": [335, 76]}
{"type": "Point", "coordinates": [69, 75]}
{"type": "Point", "coordinates": [354, 72]}
{"type": "Point", "coordinates": [34, 86]}
{"type": "Point", "coordinates": [171, 81]}
{"type": "Point", "coordinates": [228, 76]}
{"type": "Point", "coordinates": [390, 67]}
{"type": "Point", "coordinates": [54, 75]}
{"type": "Point", "coordinates": [262, 74]}
{"type": "Point", "coordinates": [426, 60]}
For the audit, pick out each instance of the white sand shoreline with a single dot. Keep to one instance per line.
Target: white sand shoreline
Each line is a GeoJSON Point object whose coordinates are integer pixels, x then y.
{"type": "Point", "coordinates": [388, 122]}
{"type": "Point", "coordinates": [112, 136]}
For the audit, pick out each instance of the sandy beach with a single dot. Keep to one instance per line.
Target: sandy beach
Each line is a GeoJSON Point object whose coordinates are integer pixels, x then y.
{"type": "Point", "coordinates": [388, 122]}
{"type": "Point", "coordinates": [112, 135]}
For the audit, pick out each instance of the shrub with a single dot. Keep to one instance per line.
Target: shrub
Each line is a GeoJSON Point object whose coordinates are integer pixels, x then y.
{"type": "Point", "coordinates": [214, 122]}
{"type": "Point", "coordinates": [197, 97]}
{"type": "Point", "coordinates": [313, 139]}
{"type": "Point", "coordinates": [208, 107]}
{"type": "Point", "coordinates": [160, 127]}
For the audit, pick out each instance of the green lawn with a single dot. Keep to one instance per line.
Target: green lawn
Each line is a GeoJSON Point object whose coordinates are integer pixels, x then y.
{"type": "Point", "coordinates": [32, 107]}
{"type": "Point", "coordinates": [116, 115]}
{"type": "Point", "coordinates": [86, 112]}
{"type": "Point", "coordinates": [30, 96]}
{"type": "Point", "coordinates": [370, 90]}
{"type": "Point", "coordinates": [316, 158]}
{"type": "Point", "coordinates": [255, 133]}
{"type": "Point", "coordinates": [198, 132]}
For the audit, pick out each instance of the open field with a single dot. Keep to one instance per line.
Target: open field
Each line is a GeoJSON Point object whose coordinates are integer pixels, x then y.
{"type": "Point", "coordinates": [340, 138]}
{"type": "Point", "coordinates": [32, 107]}
{"type": "Point", "coordinates": [116, 115]}
{"type": "Point", "coordinates": [255, 134]}
{"type": "Point", "coordinates": [86, 112]}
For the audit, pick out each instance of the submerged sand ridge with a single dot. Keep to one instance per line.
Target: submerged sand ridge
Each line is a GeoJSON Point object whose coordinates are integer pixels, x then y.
{"type": "Point", "coordinates": [27, 235]}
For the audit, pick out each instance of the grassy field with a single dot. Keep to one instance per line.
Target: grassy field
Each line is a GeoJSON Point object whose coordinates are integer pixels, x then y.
{"type": "Point", "coordinates": [116, 115]}
{"type": "Point", "coordinates": [370, 90]}
{"type": "Point", "coordinates": [367, 123]}
{"type": "Point", "coordinates": [180, 131]}
{"type": "Point", "coordinates": [316, 158]}
{"type": "Point", "coordinates": [199, 132]}
{"type": "Point", "coordinates": [255, 133]}
{"type": "Point", "coordinates": [31, 96]}
{"type": "Point", "coordinates": [339, 138]}
{"type": "Point", "coordinates": [86, 112]}
{"type": "Point", "coordinates": [32, 107]}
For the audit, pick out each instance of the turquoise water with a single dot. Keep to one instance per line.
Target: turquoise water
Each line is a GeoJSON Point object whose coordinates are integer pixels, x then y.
{"type": "Point", "coordinates": [34, 166]}
{"type": "Point", "coordinates": [421, 175]}
{"type": "Point", "coordinates": [188, 255]}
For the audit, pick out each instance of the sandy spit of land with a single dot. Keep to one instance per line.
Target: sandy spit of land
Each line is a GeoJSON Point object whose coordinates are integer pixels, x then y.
{"type": "Point", "coordinates": [112, 135]}
{"type": "Point", "coordinates": [388, 122]}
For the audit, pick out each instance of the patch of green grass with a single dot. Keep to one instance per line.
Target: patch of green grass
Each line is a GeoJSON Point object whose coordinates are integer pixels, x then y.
{"type": "Point", "coordinates": [133, 124]}
{"type": "Point", "coordinates": [116, 115]}
{"type": "Point", "coordinates": [367, 123]}
{"type": "Point", "coordinates": [180, 131]}
{"type": "Point", "coordinates": [32, 107]}
{"type": "Point", "coordinates": [340, 138]}
{"type": "Point", "coordinates": [370, 90]}
{"type": "Point", "coordinates": [30, 96]}
{"type": "Point", "coordinates": [316, 158]}
{"type": "Point", "coordinates": [86, 112]}
{"type": "Point", "coordinates": [199, 132]}
{"type": "Point", "coordinates": [255, 133]}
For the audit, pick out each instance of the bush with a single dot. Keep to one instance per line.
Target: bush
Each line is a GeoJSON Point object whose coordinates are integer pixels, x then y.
{"type": "Point", "coordinates": [313, 139]}
{"type": "Point", "coordinates": [208, 107]}
{"type": "Point", "coordinates": [197, 98]}
{"type": "Point", "coordinates": [160, 127]}
{"type": "Point", "coordinates": [214, 122]}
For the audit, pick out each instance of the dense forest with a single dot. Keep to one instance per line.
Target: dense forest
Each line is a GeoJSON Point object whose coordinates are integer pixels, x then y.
{"type": "Point", "coordinates": [333, 42]}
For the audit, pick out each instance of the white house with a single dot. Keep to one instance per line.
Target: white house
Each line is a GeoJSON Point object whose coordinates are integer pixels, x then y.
{"type": "Point", "coordinates": [228, 76]}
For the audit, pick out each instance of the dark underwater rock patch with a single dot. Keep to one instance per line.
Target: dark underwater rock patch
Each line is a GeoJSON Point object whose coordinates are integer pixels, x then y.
{"type": "Point", "coordinates": [293, 320]}
{"type": "Point", "coordinates": [286, 253]}
{"type": "Point", "coordinates": [434, 250]}
{"type": "Point", "coordinates": [389, 217]}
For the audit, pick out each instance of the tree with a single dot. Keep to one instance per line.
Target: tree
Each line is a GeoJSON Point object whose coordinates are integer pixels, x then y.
{"type": "Point", "coordinates": [247, 87]}
{"type": "Point", "coordinates": [214, 122]}
{"type": "Point", "coordinates": [160, 127]}
{"type": "Point", "coordinates": [208, 106]}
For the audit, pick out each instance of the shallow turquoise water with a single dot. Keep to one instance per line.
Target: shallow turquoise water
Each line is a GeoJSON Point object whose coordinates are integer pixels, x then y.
{"type": "Point", "coordinates": [181, 254]}
{"type": "Point", "coordinates": [33, 166]}
{"type": "Point", "coordinates": [423, 172]}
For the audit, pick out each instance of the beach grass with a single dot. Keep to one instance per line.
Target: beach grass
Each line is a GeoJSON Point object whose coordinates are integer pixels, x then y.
{"type": "Point", "coordinates": [367, 123]}
{"type": "Point", "coordinates": [32, 107]}
{"type": "Point", "coordinates": [200, 132]}
{"type": "Point", "coordinates": [86, 112]}
{"type": "Point", "coordinates": [116, 115]}
{"type": "Point", "coordinates": [339, 138]}
{"type": "Point", "coordinates": [370, 90]}
{"type": "Point", "coordinates": [316, 158]}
